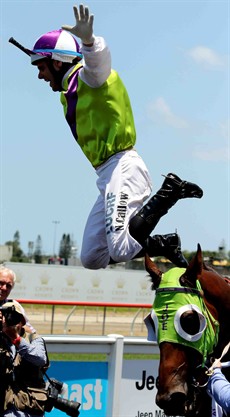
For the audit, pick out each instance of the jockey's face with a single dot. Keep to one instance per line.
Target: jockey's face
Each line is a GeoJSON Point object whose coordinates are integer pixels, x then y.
{"type": "Point", "coordinates": [48, 70]}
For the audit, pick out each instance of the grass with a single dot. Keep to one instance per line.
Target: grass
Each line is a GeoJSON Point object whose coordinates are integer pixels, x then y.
{"type": "Point", "coordinates": [95, 357]}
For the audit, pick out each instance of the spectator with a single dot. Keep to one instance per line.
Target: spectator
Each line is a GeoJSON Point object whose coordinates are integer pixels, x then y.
{"type": "Point", "coordinates": [219, 387]}
{"type": "Point", "coordinates": [7, 282]}
{"type": "Point", "coordinates": [23, 359]}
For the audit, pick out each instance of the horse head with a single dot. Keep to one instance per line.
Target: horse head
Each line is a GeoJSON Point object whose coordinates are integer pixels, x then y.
{"type": "Point", "coordinates": [191, 320]}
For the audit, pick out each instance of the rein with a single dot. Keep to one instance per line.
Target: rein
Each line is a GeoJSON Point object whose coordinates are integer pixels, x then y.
{"type": "Point", "coordinates": [213, 321]}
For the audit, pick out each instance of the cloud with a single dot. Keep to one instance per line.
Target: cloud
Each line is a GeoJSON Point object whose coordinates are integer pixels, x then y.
{"type": "Point", "coordinates": [225, 130]}
{"type": "Point", "coordinates": [160, 112]}
{"type": "Point", "coordinates": [160, 109]}
{"type": "Point", "coordinates": [217, 155]}
{"type": "Point", "coordinates": [219, 150]}
{"type": "Point", "coordinates": [211, 141]}
{"type": "Point", "coordinates": [206, 56]}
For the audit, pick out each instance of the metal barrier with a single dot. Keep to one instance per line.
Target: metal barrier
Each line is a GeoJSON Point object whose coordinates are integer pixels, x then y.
{"type": "Point", "coordinates": [141, 310]}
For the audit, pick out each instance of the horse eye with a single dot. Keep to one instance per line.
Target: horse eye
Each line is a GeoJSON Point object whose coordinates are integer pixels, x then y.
{"type": "Point", "coordinates": [190, 322]}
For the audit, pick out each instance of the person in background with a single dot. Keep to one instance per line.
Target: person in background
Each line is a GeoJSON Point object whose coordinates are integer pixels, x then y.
{"type": "Point", "coordinates": [23, 357]}
{"type": "Point", "coordinates": [219, 387]}
{"type": "Point", "coordinates": [98, 110]}
{"type": "Point", "coordinates": [7, 282]}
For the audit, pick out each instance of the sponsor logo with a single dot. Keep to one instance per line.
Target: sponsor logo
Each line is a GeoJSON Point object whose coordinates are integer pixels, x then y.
{"type": "Point", "coordinates": [115, 215]}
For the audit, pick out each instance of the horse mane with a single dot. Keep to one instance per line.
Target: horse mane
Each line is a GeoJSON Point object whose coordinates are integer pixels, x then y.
{"type": "Point", "coordinates": [154, 272]}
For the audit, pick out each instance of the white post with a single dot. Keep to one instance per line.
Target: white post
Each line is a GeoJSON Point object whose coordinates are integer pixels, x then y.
{"type": "Point", "coordinates": [115, 364]}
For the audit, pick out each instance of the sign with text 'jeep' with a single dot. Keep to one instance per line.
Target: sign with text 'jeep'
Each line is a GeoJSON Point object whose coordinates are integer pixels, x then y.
{"type": "Point", "coordinates": [87, 383]}
{"type": "Point", "coordinates": [138, 389]}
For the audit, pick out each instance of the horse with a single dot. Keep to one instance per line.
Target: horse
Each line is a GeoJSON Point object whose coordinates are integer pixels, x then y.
{"type": "Point", "coordinates": [191, 320]}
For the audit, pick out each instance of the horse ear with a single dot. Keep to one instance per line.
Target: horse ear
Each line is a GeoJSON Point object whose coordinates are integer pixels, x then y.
{"type": "Point", "coordinates": [154, 272]}
{"type": "Point", "coordinates": [194, 269]}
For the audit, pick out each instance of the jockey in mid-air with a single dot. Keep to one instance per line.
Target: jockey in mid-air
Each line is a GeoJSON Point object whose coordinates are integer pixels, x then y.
{"type": "Point", "coordinates": [98, 110]}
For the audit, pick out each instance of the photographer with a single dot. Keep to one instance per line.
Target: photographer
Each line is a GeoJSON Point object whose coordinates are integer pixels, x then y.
{"type": "Point", "coordinates": [23, 360]}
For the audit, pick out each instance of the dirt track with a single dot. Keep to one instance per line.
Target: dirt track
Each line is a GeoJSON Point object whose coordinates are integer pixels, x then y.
{"type": "Point", "coordinates": [86, 321]}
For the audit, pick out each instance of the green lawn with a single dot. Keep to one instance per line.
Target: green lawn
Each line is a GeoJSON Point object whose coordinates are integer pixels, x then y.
{"type": "Point", "coordinates": [94, 357]}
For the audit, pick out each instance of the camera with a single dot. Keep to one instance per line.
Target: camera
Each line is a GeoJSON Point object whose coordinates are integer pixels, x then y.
{"type": "Point", "coordinates": [12, 317]}
{"type": "Point", "coordinates": [54, 389]}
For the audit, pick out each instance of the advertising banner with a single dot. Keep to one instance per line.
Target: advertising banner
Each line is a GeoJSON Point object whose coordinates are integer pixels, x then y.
{"type": "Point", "coordinates": [86, 383]}
{"type": "Point", "coordinates": [138, 389]}
{"type": "Point", "coordinates": [70, 284]}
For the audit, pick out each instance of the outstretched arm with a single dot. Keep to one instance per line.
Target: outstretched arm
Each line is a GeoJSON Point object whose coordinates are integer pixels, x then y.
{"type": "Point", "coordinates": [97, 60]}
{"type": "Point", "coordinates": [84, 25]}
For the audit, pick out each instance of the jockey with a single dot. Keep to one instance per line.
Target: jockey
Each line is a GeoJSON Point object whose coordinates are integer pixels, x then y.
{"type": "Point", "coordinates": [97, 108]}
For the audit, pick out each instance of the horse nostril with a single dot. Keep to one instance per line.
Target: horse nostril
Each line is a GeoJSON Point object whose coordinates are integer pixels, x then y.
{"type": "Point", "coordinates": [174, 402]}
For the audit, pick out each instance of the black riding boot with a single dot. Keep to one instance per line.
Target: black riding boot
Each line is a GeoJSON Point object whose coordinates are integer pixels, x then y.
{"type": "Point", "coordinates": [172, 190]}
{"type": "Point", "coordinates": [168, 246]}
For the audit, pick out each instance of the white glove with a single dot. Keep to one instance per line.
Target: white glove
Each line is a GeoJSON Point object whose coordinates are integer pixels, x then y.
{"type": "Point", "coordinates": [84, 25]}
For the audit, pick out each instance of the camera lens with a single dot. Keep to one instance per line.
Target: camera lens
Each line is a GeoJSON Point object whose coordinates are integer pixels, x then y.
{"type": "Point", "coordinates": [69, 407]}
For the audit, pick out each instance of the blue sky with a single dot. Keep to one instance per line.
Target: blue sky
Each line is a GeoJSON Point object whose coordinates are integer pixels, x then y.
{"type": "Point", "coordinates": [173, 57]}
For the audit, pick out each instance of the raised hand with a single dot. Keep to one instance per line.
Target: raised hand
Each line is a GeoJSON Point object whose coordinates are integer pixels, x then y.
{"type": "Point", "coordinates": [84, 24]}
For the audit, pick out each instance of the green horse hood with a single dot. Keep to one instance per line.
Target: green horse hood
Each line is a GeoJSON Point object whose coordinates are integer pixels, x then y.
{"type": "Point", "coordinates": [171, 301]}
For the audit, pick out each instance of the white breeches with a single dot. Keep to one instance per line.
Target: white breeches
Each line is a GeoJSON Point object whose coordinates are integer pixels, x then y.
{"type": "Point", "coordinates": [124, 184]}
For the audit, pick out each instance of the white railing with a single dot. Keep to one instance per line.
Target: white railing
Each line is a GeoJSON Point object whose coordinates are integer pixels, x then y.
{"type": "Point", "coordinates": [99, 344]}
{"type": "Point", "coordinates": [114, 346]}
